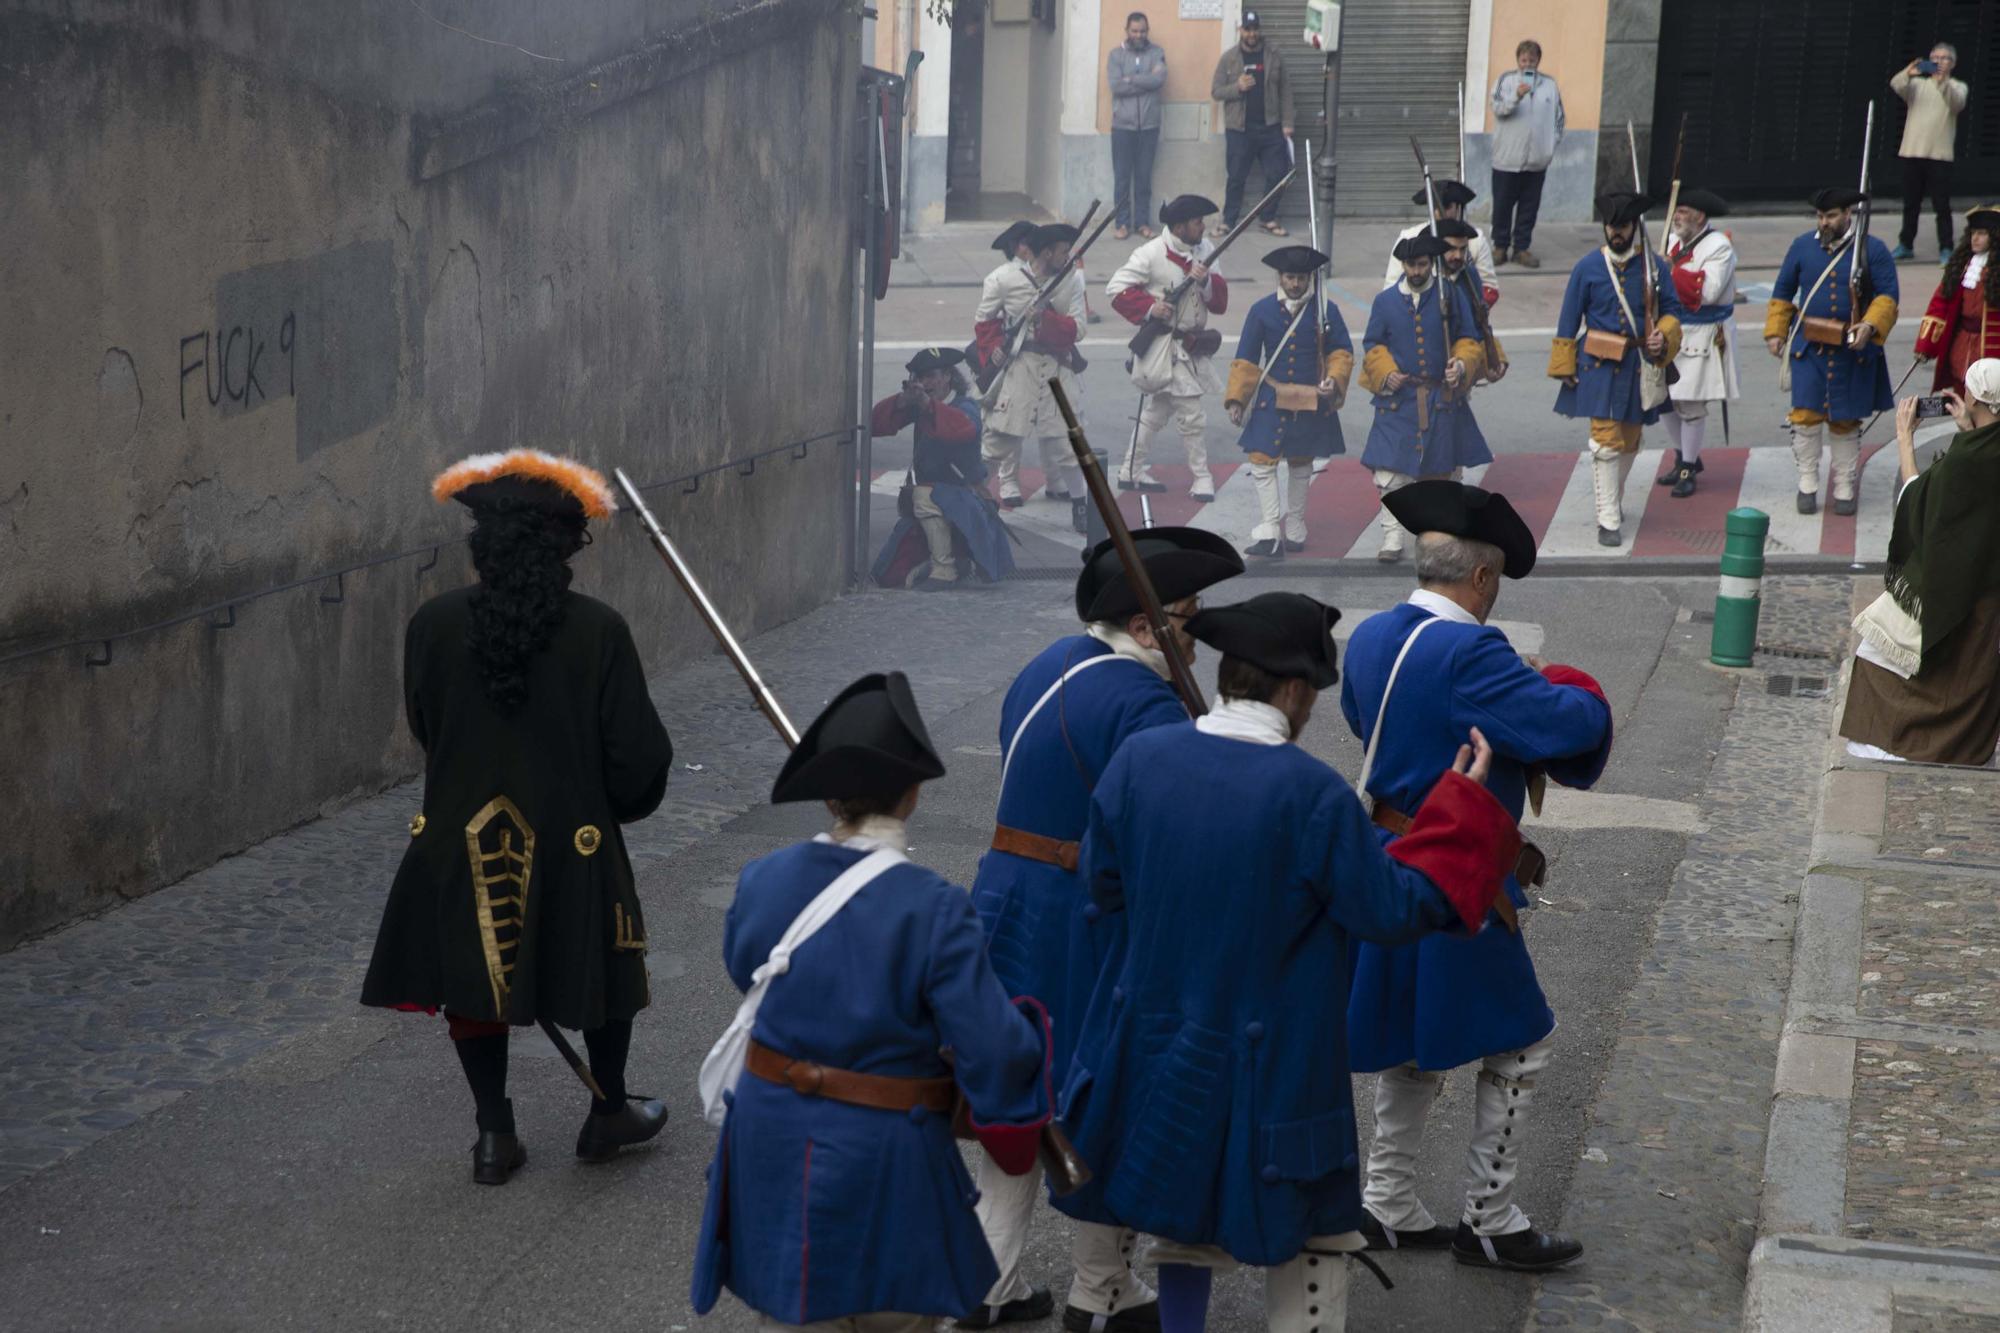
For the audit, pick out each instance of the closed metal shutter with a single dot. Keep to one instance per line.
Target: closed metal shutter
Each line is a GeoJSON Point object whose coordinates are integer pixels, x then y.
{"type": "Point", "coordinates": [1400, 65]}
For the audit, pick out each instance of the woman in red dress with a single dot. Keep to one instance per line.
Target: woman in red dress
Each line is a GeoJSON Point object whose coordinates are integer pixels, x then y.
{"type": "Point", "coordinates": [1962, 324]}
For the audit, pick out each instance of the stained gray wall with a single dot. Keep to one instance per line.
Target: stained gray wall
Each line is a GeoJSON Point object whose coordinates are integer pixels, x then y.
{"type": "Point", "coordinates": [270, 266]}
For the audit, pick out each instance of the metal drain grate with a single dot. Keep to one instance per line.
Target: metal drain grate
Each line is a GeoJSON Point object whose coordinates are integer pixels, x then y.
{"type": "Point", "coordinates": [1795, 687]}
{"type": "Point", "coordinates": [1702, 617]}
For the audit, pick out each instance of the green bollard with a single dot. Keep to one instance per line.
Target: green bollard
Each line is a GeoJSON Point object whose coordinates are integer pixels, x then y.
{"type": "Point", "coordinates": [1736, 601]}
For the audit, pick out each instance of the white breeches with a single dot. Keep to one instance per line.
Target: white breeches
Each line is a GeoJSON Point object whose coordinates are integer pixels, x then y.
{"type": "Point", "coordinates": [1105, 1282]}
{"type": "Point", "coordinates": [1846, 469]}
{"type": "Point", "coordinates": [1281, 518]}
{"type": "Point", "coordinates": [1190, 418]}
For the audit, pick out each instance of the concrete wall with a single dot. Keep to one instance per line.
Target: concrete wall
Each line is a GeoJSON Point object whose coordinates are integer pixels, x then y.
{"type": "Point", "coordinates": [274, 266]}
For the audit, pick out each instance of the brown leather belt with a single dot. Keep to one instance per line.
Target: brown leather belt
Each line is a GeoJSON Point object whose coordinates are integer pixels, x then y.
{"type": "Point", "coordinates": [878, 1091]}
{"type": "Point", "coordinates": [1532, 867]}
{"type": "Point", "coordinates": [1035, 847]}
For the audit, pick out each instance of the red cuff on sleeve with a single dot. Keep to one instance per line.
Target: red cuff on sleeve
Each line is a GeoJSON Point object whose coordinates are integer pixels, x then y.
{"type": "Point", "coordinates": [950, 425]}
{"type": "Point", "coordinates": [1492, 295]}
{"type": "Point", "coordinates": [1217, 296]}
{"type": "Point", "coordinates": [1056, 332]}
{"type": "Point", "coordinates": [1464, 841]}
{"type": "Point", "coordinates": [986, 334]}
{"type": "Point", "coordinates": [1687, 286]}
{"type": "Point", "coordinates": [1014, 1148]}
{"type": "Point", "coordinates": [1133, 303]}
{"type": "Point", "coordinates": [1557, 674]}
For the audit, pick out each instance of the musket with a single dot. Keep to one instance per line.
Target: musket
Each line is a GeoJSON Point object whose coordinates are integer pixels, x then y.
{"type": "Point", "coordinates": [1461, 129]}
{"type": "Point", "coordinates": [1150, 331]}
{"type": "Point", "coordinates": [1857, 253]}
{"type": "Point", "coordinates": [767, 703]}
{"type": "Point", "coordinates": [1444, 301]}
{"type": "Point", "coordinates": [1645, 246]}
{"type": "Point", "coordinates": [1017, 333]}
{"type": "Point", "coordinates": [1674, 191]}
{"type": "Point", "coordinates": [1067, 1171]}
{"type": "Point", "coordinates": [1178, 669]}
{"type": "Point", "coordinates": [1319, 274]}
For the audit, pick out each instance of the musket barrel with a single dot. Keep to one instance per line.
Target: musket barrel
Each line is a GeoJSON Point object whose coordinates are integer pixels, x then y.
{"type": "Point", "coordinates": [662, 543]}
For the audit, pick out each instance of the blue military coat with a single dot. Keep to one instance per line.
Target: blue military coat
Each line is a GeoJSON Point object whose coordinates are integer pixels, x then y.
{"type": "Point", "coordinates": [1266, 430]}
{"type": "Point", "coordinates": [1453, 999]}
{"type": "Point", "coordinates": [1841, 383]}
{"type": "Point", "coordinates": [1038, 916]}
{"type": "Point", "coordinates": [1414, 341]}
{"type": "Point", "coordinates": [1210, 1090]}
{"type": "Point", "coordinates": [819, 1209]}
{"type": "Point", "coordinates": [1609, 390]}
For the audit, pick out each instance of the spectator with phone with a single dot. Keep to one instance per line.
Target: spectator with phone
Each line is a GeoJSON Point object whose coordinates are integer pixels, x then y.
{"type": "Point", "coordinates": [1926, 683]}
{"type": "Point", "coordinates": [1256, 119]}
{"type": "Point", "coordinates": [1527, 126]}
{"type": "Point", "coordinates": [1962, 324]}
{"type": "Point", "coordinates": [1931, 123]}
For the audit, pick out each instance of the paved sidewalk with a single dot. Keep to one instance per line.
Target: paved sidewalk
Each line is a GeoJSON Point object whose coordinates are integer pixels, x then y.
{"type": "Point", "coordinates": [1881, 1206]}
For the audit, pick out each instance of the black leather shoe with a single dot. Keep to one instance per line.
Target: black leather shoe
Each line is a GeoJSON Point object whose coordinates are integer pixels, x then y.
{"type": "Point", "coordinates": [1808, 502]}
{"type": "Point", "coordinates": [1683, 482]}
{"type": "Point", "coordinates": [495, 1157]}
{"type": "Point", "coordinates": [1673, 468]}
{"type": "Point", "coordinates": [1847, 506]}
{"type": "Point", "coordinates": [1379, 1237]}
{"type": "Point", "coordinates": [1610, 537]}
{"type": "Point", "coordinates": [1528, 1251]}
{"type": "Point", "coordinates": [1133, 1319]}
{"type": "Point", "coordinates": [1293, 546]}
{"type": "Point", "coordinates": [1010, 502]}
{"type": "Point", "coordinates": [1268, 548]}
{"type": "Point", "coordinates": [634, 1122]}
{"type": "Point", "coordinates": [1037, 1304]}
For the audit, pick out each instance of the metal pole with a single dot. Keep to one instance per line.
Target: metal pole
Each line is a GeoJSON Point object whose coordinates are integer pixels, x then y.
{"type": "Point", "coordinates": [864, 453]}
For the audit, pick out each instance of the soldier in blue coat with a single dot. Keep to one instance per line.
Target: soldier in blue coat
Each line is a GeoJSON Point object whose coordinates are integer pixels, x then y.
{"type": "Point", "coordinates": [837, 1198]}
{"type": "Point", "coordinates": [1420, 356]}
{"type": "Point", "coordinates": [1210, 1081]}
{"type": "Point", "coordinates": [1425, 1008]}
{"type": "Point", "coordinates": [1601, 334]}
{"type": "Point", "coordinates": [1830, 345]}
{"type": "Point", "coordinates": [1304, 360]}
{"type": "Point", "coordinates": [1062, 719]}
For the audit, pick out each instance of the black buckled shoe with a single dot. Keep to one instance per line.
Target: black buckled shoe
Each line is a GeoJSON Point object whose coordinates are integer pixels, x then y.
{"type": "Point", "coordinates": [1268, 548]}
{"type": "Point", "coordinates": [1037, 1304]}
{"type": "Point", "coordinates": [1132, 1319]}
{"type": "Point", "coordinates": [636, 1121]}
{"type": "Point", "coordinates": [1673, 469]}
{"type": "Point", "coordinates": [1847, 506]}
{"type": "Point", "coordinates": [1379, 1237]}
{"type": "Point", "coordinates": [1529, 1251]}
{"type": "Point", "coordinates": [1293, 547]}
{"type": "Point", "coordinates": [1808, 502]}
{"type": "Point", "coordinates": [1610, 536]}
{"type": "Point", "coordinates": [495, 1157]}
{"type": "Point", "coordinates": [1683, 482]}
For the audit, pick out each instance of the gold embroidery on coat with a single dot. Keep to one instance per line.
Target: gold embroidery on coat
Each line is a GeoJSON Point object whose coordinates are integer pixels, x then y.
{"type": "Point", "coordinates": [626, 934]}
{"type": "Point", "coordinates": [416, 825]}
{"type": "Point", "coordinates": [588, 840]}
{"type": "Point", "coordinates": [502, 915]}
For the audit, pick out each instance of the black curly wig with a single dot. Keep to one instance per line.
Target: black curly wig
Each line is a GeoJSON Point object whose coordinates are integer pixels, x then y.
{"type": "Point", "coordinates": [522, 555]}
{"type": "Point", "coordinates": [1961, 259]}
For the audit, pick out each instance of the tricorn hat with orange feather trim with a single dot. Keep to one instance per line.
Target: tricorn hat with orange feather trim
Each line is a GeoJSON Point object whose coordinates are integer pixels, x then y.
{"type": "Point", "coordinates": [528, 477]}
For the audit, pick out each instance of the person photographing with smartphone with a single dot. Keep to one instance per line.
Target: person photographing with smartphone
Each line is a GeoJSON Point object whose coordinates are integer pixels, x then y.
{"type": "Point", "coordinates": [1935, 100]}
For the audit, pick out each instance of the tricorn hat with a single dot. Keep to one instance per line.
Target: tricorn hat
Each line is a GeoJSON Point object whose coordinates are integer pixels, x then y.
{"type": "Point", "coordinates": [1836, 196]}
{"type": "Point", "coordinates": [1287, 634]}
{"type": "Point", "coordinates": [1456, 229]}
{"type": "Point", "coordinates": [1054, 233]}
{"type": "Point", "coordinates": [1179, 561]}
{"type": "Point", "coordinates": [1984, 218]}
{"type": "Point", "coordinates": [527, 477]}
{"type": "Point", "coordinates": [1183, 207]}
{"type": "Point", "coordinates": [1421, 246]}
{"type": "Point", "coordinates": [933, 358]}
{"type": "Point", "coordinates": [1705, 202]}
{"type": "Point", "coordinates": [1448, 194]}
{"type": "Point", "coordinates": [1295, 259]}
{"type": "Point", "coordinates": [870, 741]}
{"type": "Point", "coordinates": [1618, 207]}
{"type": "Point", "coordinates": [1013, 236]}
{"type": "Point", "coordinates": [1466, 511]}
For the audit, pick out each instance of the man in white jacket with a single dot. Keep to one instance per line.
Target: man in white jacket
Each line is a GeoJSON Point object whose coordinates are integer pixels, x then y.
{"type": "Point", "coordinates": [1704, 269]}
{"type": "Point", "coordinates": [1528, 125]}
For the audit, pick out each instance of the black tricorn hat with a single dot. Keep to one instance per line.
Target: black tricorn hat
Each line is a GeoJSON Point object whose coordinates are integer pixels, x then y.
{"type": "Point", "coordinates": [1053, 233]}
{"type": "Point", "coordinates": [1466, 511]}
{"type": "Point", "coordinates": [1705, 202]}
{"type": "Point", "coordinates": [1295, 259]}
{"type": "Point", "coordinates": [1182, 207]}
{"type": "Point", "coordinates": [934, 358]}
{"type": "Point", "coordinates": [1179, 561]}
{"type": "Point", "coordinates": [1013, 236]}
{"type": "Point", "coordinates": [1985, 218]}
{"type": "Point", "coordinates": [1287, 634]}
{"type": "Point", "coordinates": [1836, 196]}
{"type": "Point", "coordinates": [1448, 193]}
{"type": "Point", "coordinates": [1618, 207]}
{"type": "Point", "coordinates": [870, 741]}
{"type": "Point", "coordinates": [1421, 246]}
{"type": "Point", "coordinates": [1456, 229]}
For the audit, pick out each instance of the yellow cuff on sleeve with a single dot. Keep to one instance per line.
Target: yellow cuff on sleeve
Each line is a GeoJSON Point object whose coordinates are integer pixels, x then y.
{"type": "Point", "coordinates": [1377, 365]}
{"type": "Point", "coordinates": [1670, 329]}
{"type": "Point", "coordinates": [1473, 353]}
{"type": "Point", "coordinates": [1881, 314]}
{"type": "Point", "coordinates": [1562, 358]}
{"type": "Point", "coordinates": [1778, 318]}
{"type": "Point", "coordinates": [1242, 381]}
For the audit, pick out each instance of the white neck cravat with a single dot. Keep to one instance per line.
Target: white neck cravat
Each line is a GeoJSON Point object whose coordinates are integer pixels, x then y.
{"type": "Point", "coordinates": [1245, 720]}
{"type": "Point", "coordinates": [1440, 605]}
{"type": "Point", "coordinates": [1123, 644]}
{"type": "Point", "coordinates": [871, 833]}
{"type": "Point", "coordinates": [1972, 272]}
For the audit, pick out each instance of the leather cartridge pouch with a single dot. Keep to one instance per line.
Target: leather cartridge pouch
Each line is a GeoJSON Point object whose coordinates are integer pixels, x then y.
{"type": "Point", "coordinates": [1202, 342]}
{"type": "Point", "coordinates": [1830, 332]}
{"type": "Point", "coordinates": [1297, 397]}
{"type": "Point", "coordinates": [1605, 346]}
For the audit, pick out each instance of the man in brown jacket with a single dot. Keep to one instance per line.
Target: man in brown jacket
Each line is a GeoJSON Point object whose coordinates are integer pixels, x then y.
{"type": "Point", "coordinates": [1256, 118]}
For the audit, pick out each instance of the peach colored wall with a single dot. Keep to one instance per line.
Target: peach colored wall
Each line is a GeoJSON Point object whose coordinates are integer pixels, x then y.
{"type": "Point", "coordinates": [1572, 36]}
{"type": "Point", "coordinates": [1192, 46]}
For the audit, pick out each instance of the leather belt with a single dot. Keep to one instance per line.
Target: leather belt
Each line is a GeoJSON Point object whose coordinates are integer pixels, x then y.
{"type": "Point", "coordinates": [880, 1092]}
{"type": "Point", "coordinates": [1532, 867]}
{"type": "Point", "coordinates": [1035, 847]}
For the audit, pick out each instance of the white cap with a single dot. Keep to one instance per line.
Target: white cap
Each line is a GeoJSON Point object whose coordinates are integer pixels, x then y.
{"type": "Point", "coordinates": [1982, 381]}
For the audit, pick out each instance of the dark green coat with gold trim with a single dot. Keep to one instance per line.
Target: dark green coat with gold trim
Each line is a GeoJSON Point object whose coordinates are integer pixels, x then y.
{"type": "Point", "coordinates": [515, 901]}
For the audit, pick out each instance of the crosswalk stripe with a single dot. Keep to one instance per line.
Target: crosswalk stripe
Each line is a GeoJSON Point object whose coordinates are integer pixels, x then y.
{"type": "Point", "coordinates": [1693, 524]}
{"type": "Point", "coordinates": [1572, 530]}
{"type": "Point", "coordinates": [1772, 478]}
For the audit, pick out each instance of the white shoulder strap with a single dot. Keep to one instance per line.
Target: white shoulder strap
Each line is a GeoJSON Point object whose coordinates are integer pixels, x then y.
{"type": "Point", "coordinates": [822, 909]}
{"type": "Point", "coordinates": [1375, 737]}
{"type": "Point", "coordinates": [1792, 334]}
{"type": "Point", "coordinates": [1014, 741]}
{"type": "Point", "coordinates": [1618, 287]}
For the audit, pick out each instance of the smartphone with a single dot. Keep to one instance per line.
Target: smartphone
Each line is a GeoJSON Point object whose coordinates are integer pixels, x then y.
{"type": "Point", "coordinates": [1933, 405]}
{"type": "Point", "coordinates": [1927, 67]}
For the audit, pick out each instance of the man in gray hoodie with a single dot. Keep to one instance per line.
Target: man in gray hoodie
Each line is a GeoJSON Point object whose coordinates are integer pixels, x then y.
{"type": "Point", "coordinates": [1528, 124]}
{"type": "Point", "coordinates": [1136, 70]}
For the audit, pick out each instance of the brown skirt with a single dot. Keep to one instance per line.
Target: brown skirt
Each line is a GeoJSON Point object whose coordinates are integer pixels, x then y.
{"type": "Point", "coordinates": [1949, 712]}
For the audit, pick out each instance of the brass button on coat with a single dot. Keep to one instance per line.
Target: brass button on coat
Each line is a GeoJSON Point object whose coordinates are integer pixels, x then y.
{"type": "Point", "coordinates": [588, 840]}
{"type": "Point", "coordinates": [416, 825]}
